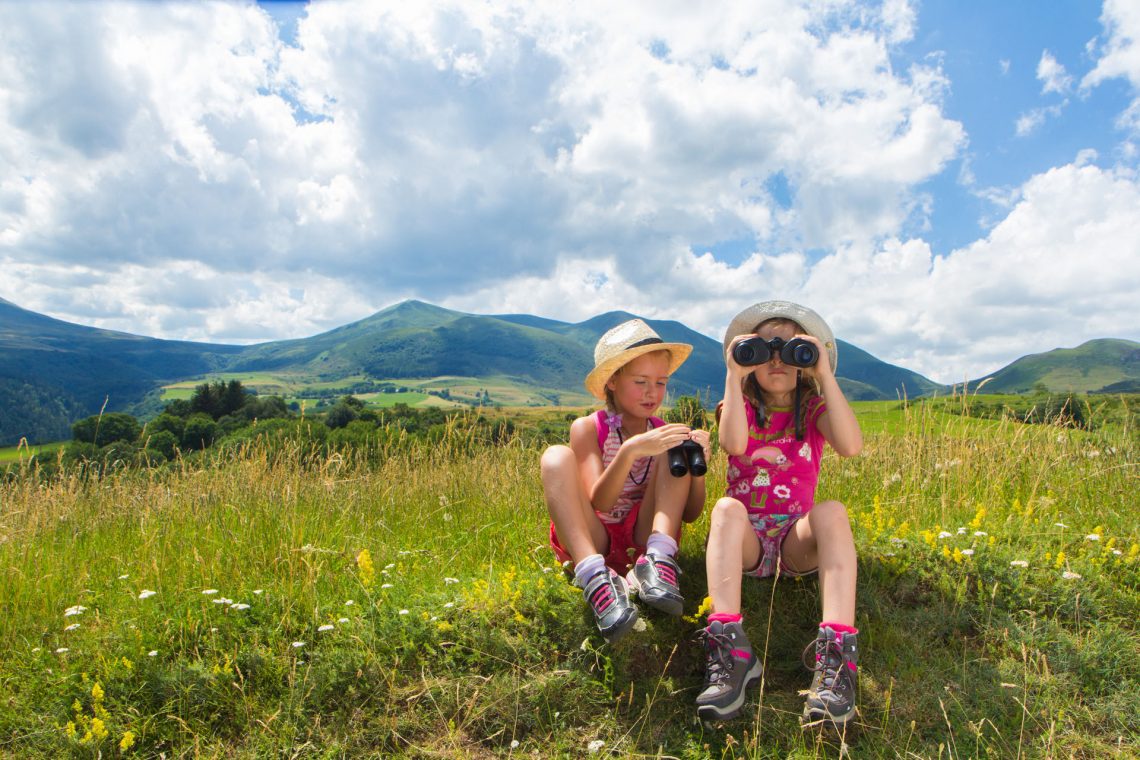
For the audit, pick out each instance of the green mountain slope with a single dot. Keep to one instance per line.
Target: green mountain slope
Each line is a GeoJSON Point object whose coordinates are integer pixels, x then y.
{"type": "Point", "coordinates": [1107, 365]}
{"type": "Point", "coordinates": [68, 371]}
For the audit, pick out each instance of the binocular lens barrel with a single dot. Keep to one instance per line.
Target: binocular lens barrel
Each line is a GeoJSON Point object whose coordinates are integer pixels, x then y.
{"type": "Point", "coordinates": [687, 457]}
{"type": "Point", "coordinates": [754, 351]}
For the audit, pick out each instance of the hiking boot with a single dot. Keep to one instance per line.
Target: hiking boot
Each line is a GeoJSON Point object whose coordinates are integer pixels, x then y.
{"type": "Point", "coordinates": [608, 597]}
{"type": "Point", "coordinates": [731, 669]}
{"type": "Point", "coordinates": [654, 578]}
{"type": "Point", "coordinates": [832, 693]}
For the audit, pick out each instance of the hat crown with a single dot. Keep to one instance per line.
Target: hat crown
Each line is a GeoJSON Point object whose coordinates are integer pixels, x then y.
{"type": "Point", "coordinates": [812, 323]}
{"type": "Point", "coordinates": [626, 335]}
{"type": "Point", "coordinates": [624, 343]}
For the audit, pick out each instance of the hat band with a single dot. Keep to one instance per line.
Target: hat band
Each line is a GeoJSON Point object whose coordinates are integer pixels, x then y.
{"type": "Point", "coordinates": [646, 342]}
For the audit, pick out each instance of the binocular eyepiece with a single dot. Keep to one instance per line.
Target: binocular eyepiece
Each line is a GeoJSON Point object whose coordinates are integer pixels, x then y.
{"type": "Point", "coordinates": [796, 352]}
{"type": "Point", "coordinates": [686, 457]}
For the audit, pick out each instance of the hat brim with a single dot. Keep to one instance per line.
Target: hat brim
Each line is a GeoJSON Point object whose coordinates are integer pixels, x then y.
{"type": "Point", "coordinates": [746, 321]}
{"type": "Point", "coordinates": [601, 374]}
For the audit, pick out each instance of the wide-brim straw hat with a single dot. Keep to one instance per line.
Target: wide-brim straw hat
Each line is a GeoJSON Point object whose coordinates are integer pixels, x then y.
{"type": "Point", "coordinates": [624, 343]}
{"type": "Point", "coordinates": [746, 322]}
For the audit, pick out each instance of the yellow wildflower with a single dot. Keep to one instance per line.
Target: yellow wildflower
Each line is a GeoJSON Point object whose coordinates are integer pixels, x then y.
{"type": "Point", "coordinates": [97, 692]}
{"type": "Point", "coordinates": [1060, 559]}
{"type": "Point", "coordinates": [98, 729]}
{"type": "Point", "coordinates": [127, 741]}
{"type": "Point", "coordinates": [69, 729]}
{"type": "Point", "coordinates": [365, 568]}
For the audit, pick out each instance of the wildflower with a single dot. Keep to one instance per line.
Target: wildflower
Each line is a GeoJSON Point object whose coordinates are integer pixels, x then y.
{"type": "Point", "coordinates": [257, 591]}
{"type": "Point", "coordinates": [127, 741]}
{"type": "Point", "coordinates": [449, 581]}
{"type": "Point", "coordinates": [1018, 563]}
{"type": "Point", "coordinates": [97, 692]}
{"type": "Point", "coordinates": [1060, 525]}
{"type": "Point", "coordinates": [1070, 576]}
{"type": "Point", "coordinates": [71, 627]}
{"type": "Point", "coordinates": [958, 554]}
{"type": "Point", "coordinates": [62, 650]}
{"type": "Point", "coordinates": [1060, 559]}
{"type": "Point", "coordinates": [209, 591]}
{"type": "Point", "coordinates": [961, 531]}
{"type": "Point", "coordinates": [298, 644]}
{"type": "Point", "coordinates": [98, 729]}
{"type": "Point", "coordinates": [342, 620]}
{"type": "Point", "coordinates": [639, 624]}
{"type": "Point", "coordinates": [967, 552]}
{"type": "Point", "coordinates": [152, 653]}
{"type": "Point", "coordinates": [326, 627]}
{"type": "Point", "coordinates": [1092, 537]}
{"type": "Point", "coordinates": [389, 566]}
{"type": "Point", "coordinates": [78, 609]}
{"type": "Point", "coordinates": [449, 605]}
{"type": "Point", "coordinates": [980, 533]}
{"type": "Point", "coordinates": [146, 593]}
{"type": "Point", "coordinates": [365, 568]}
{"type": "Point", "coordinates": [403, 612]}
{"type": "Point", "coordinates": [240, 606]}
{"type": "Point", "coordinates": [945, 534]}
{"type": "Point", "coordinates": [514, 743]}
{"type": "Point", "coordinates": [386, 585]}
{"type": "Point", "coordinates": [595, 746]}
{"type": "Point", "coordinates": [1117, 552]}
{"type": "Point", "coordinates": [349, 603]}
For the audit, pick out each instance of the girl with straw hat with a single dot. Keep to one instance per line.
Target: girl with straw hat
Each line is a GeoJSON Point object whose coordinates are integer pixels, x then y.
{"type": "Point", "coordinates": [781, 405]}
{"type": "Point", "coordinates": [609, 492]}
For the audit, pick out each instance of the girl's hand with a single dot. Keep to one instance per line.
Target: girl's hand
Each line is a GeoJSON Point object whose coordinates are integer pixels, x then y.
{"type": "Point", "coordinates": [702, 437]}
{"type": "Point", "coordinates": [823, 366]}
{"type": "Point", "coordinates": [735, 369]}
{"type": "Point", "coordinates": [658, 440]}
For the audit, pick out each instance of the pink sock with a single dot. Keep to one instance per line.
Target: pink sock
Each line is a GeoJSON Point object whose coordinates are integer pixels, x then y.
{"type": "Point", "coordinates": [839, 627]}
{"type": "Point", "coordinates": [725, 617]}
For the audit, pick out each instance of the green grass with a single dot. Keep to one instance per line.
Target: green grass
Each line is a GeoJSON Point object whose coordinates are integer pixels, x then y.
{"type": "Point", "coordinates": [964, 655]}
{"type": "Point", "coordinates": [17, 454]}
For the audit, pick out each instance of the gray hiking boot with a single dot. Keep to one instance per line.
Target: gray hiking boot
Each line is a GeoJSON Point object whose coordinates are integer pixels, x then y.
{"type": "Point", "coordinates": [654, 578]}
{"type": "Point", "coordinates": [832, 694]}
{"type": "Point", "coordinates": [608, 597]}
{"type": "Point", "coordinates": [731, 669]}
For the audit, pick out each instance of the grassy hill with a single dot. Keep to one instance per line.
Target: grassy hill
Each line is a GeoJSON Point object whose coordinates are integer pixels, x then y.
{"type": "Point", "coordinates": [1105, 365]}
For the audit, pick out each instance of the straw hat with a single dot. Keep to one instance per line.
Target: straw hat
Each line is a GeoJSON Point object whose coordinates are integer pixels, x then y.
{"type": "Point", "coordinates": [624, 343]}
{"type": "Point", "coordinates": [746, 321]}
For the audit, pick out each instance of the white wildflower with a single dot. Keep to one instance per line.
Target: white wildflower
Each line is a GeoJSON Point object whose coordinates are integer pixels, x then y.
{"type": "Point", "coordinates": [1117, 552]}
{"type": "Point", "coordinates": [961, 531]}
{"type": "Point", "coordinates": [152, 653]}
{"type": "Point", "coordinates": [403, 612]}
{"type": "Point", "coordinates": [342, 620]}
{"type": "Point", "coordinates": [349, 603]}
{"type": "Point", "coordinates": [78, 609]}
{"type": "Point", "coordinates": [1069, 575]}
{"type": "Point", "coordinates": [326, 627]}
{"type": "Point", "coordinates": [146, 593]}
{"type": "Point", "coordinates": [1018, 563]}
{"type": "Point", "coordinates": [258, 591]}
{"type": "Point", "coordinates": [595, 746]}
{"type": "Point", "coordinates": [385, 585]}
{"type": "Point", "coordinates": [298, 644]}
{"type": "Point", "coordinates": [1060, 525]}
{"type": "Point", "coordinates": [124, 577]}
{"type": "Point", "coordinates": [240, 606]}
{"type": "Point", "coordinates": [71, 627]}
{"type": "Point", "coordinates": [1092, 537]}
{"type": "Point", "coordinates": [449, 581]}
{"type": "Point", "coordinates": [449, 605]}
{"type": "Point", "coordinates": [389, 566]}
{"type": "Point", "coordinates": [967, 552]}
{"type": "Point", "coordinates": [62, 650]}
{"type": "Point", "coordinates": [639, 624]}
{"type": "Point", "coordinates": [514, 743]}
{"type": "Point", "coordinates": [980, 533]}
{"type": "Point", "coordinates": [945, 534]}
{"type": "Point", "coordinates": [209, 591]}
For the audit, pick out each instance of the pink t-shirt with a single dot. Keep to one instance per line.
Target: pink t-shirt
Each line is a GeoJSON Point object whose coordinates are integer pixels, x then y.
{"type": "Point", "coordinates": [777, 474]}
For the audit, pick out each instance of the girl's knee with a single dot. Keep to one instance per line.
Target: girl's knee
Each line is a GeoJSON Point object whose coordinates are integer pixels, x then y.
{"type": "Point", "coordinates": [831, 512]}
{"type": "Point", "coordinates": [557, 458]}
{"type": "Point", "coordinates": [728, 510]}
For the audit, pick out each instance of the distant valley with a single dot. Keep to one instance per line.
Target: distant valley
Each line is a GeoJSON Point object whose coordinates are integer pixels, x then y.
{"type": "Point", "coordinates": [53, 372]}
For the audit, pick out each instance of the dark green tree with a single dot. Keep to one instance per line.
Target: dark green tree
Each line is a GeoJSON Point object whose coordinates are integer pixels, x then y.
{"type": "Point", "coordinates": [106, 428]}
{"type": "Point", "coordinates": [200, 432]}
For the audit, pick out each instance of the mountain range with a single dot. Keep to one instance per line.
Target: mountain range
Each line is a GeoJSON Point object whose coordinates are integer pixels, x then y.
{"type": "Point", "coordinates": [53, 372]}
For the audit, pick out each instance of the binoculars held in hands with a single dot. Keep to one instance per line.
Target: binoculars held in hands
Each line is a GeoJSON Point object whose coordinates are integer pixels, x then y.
{"type": "Point", "coordinates": [796, 352]}
{"type": "Point", "coordinates": [687, 457]}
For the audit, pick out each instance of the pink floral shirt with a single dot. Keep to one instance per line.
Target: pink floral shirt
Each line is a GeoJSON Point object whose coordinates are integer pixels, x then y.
{"type": "Point", "coordinates": [777, 474]}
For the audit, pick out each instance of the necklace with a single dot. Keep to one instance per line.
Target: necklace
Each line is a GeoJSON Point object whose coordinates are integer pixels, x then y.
{"type": "Point", "coordinates": [648, 462]}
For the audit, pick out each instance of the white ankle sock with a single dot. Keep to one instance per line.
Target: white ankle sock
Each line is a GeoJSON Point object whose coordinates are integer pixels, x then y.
{"type": "Point", "coordinates": [586, 569]}
{"type": "Point", "coordinates": [661, 544]}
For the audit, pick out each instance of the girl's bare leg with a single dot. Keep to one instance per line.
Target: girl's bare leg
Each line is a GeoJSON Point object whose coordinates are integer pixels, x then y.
{"type": "Point", "coordinates": [577, 527]}
{"type": "Point", "coordinates": [823, 539]}
{"type": "Point", "coordinates": [732, 547]}
{"type": "Point", "coordinates": [665, 498]}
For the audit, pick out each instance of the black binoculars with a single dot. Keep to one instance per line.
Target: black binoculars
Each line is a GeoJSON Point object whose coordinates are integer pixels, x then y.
{"type": "Point", "coordinates": [796, 352]}
{"type": "Point", "coordinates": [685, 457]}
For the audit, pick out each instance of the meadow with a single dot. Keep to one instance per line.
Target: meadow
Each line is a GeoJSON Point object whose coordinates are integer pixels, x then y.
{"type": "Point", "coordinates": [400, 601]}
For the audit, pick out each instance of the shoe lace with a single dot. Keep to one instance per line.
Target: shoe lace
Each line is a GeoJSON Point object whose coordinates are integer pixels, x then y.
{"type": "Point", "coordinates": [603, 596]}
{"type": "Point", "coordinates": [666, 571]}
{"type": "Point", "coordinates": [718, 652]}
{"type": "Point", "coordinates": [828, 660]}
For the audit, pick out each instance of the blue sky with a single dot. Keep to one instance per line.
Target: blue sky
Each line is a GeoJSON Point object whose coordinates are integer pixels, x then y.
{"type": "Point", "coordinates": [951, 184]}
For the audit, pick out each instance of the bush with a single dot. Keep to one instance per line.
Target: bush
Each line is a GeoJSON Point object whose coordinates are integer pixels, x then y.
{"type": "Point", "coordinates": [102, 429]}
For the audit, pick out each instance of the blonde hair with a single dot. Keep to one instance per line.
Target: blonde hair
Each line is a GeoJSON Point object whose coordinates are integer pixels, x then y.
{"type": "Point", "coordinates": [611, 404]}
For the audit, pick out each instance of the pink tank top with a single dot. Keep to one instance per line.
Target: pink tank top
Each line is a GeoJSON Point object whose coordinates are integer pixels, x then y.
{"type": "Point", "coordinates": [635, 483]}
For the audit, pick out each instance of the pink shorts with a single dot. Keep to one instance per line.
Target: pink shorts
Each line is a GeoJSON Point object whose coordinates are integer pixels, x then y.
{"type": "Point", "coordinates": [623, 551]}
{"type": "Point", "coordinates": [772, 530]}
